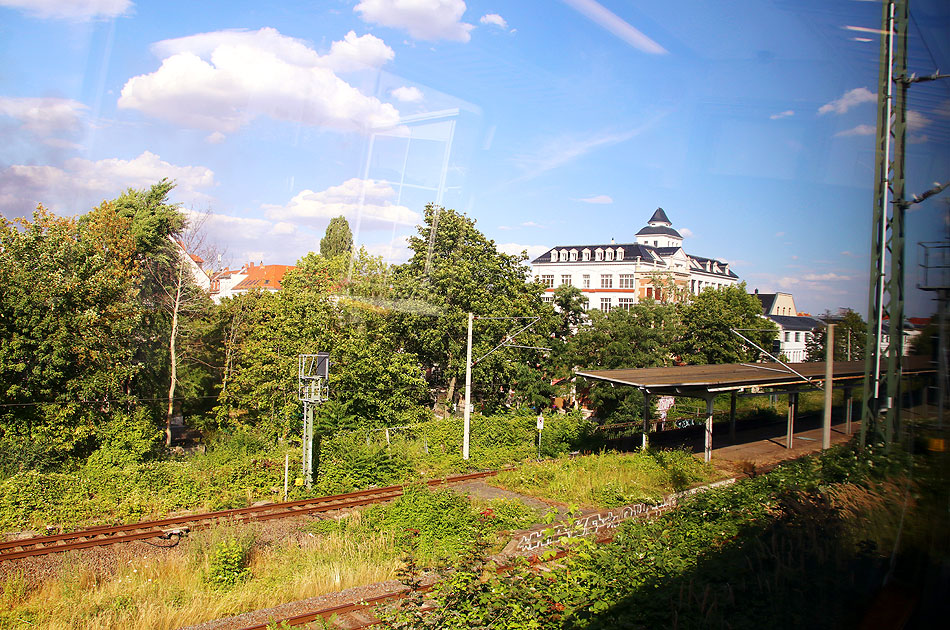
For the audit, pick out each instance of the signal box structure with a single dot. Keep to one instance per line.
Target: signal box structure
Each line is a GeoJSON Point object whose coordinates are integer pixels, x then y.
{"type": "Point", "coordinates": [313, 374]}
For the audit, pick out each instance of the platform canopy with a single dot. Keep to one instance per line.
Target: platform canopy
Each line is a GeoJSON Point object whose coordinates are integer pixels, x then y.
{"type": "Point", "coordinates": [702, 380]}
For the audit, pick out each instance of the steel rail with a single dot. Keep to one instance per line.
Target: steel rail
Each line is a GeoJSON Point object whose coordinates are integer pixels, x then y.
{"type": "Point", "coordinates": [109, 535]}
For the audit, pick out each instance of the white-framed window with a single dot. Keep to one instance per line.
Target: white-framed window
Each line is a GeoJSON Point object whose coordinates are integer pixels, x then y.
{"type": "Point", "coordinates": [628, 281]}
{"type": "Point", "coordinates": [548, 280]}
{"type": "Point", "coordinates": [585, 281]}
{"type": "Point", "coordinates": [553, 256]}
{"type": "Point", "coordinates": [788, 336]}
{"type": "Point", "coordinates": [598, 254]}
{"type": "Point", "coordinates": [547, 299]}
{"type": "Point", "coordinates": [798, 336]}
{"type": "Point", "coordinates": [585, 255]}
{"type": "Point", "coordinates": [605, 304]}
{"type": "Point", "coordinates": [609, 254]}
{"type": "Point", "coordinates": [563, 255]}
{"type": "Point", "coordinates": [620, 253]}
{"type": "Point", "coordinates": [606, 281]}
{"type": "Point", "coordinates": [585, 304]}
{"type": "Point", "coordinates": [625, 303]}
{"type": "Point", "coordinates": [656, 243]}
{"type": "Point", "coordinates": [573, 255]}
{"type": "Point", "coordinates": [566, 279]}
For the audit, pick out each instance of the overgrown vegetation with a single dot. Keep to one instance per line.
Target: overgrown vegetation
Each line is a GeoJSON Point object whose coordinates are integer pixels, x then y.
{"type": "Point", "coordinates": [608, 479]}
{"type": "Point", "coordinates": [807, 545]}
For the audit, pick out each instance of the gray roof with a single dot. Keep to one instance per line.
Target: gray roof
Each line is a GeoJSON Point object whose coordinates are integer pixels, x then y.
{"type": "Point", "coordinates": [660, 216]}
{"type": "Point", "coordinates": [791, 322]}
{"type": "Point", "coordinates": [659, 229]}
{"type": "Point", "coordinates": [767, 299]}
{"type": "Point", "coordinates": [631, 251]}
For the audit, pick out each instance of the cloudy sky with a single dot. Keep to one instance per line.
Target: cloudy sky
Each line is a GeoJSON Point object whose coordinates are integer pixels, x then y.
{"type": "Point", "coordinates": [750, 122]}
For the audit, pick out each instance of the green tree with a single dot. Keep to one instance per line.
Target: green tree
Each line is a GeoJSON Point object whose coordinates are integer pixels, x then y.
{"type": "Point", "coordinates": [338, 238]}
{"type": "Point", "coordinates": [69, 312]}
{"type": "Point", "coordinates": [455, 270]}
{"type": "Point", "coordinates": [850, 333]}
{"type": "Point", "coordinates": [640, 337]}
{"type": "Point", "coordinates": [708, 322]}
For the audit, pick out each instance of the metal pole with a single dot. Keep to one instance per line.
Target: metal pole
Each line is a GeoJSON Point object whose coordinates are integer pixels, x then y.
{"type": "Point", "coordinates": [790, 430]}
{"type": "Point", "coordinates": [468, 390]}
{"type": "Point", "coordinates": [732, 418]}
{"type": "Point", "coordinates": [829, 377]}
{"type": "Point", "coordinates": [646, 421]}
{"type": "Point", "coordinates": [848, 406]}
{"type": "Point", "coordinates": [709, 430]}
{"type": "Point", "coordinates": [286, 473]}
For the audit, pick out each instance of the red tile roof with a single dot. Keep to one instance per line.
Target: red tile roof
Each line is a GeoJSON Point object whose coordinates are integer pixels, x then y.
{"type": "Point", "coordinates": [263, 277]}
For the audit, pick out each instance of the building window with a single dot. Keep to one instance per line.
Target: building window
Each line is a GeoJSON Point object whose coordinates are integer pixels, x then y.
{"type": "Point", "coordinates": [598, 254]}
{"type": "Point", "coordinates": [788, 336]}
{"type": "Point", "coordinates": [573, 255]}
{"type": "Point", "coordinates": [620, 253]}
{"type": "Point", "coordinates": [585, 304]}
{"type": "Point", "coordinates": [585, 255]}
{"type": "Point", "coordinates": [628, 281]}
{"type": "Point", "coordinates": [605, 304]}
{"type": "Point", "coordinates": [566, 280]}
{"type": "Point", "coordinates": [553, 256]}
{"type": "Point", "coordinates": [609, 254]}
{"type": "Point", "coordinates": [650, 292]}
{"type": "Point", "coordinates": [563, 255]}
{"type": "Point", "coordinates": [625, 303]}
{"type": "Point", "coordinates": [606, 281]}
{"type": "Point", "coordinates": [547, 299]}
{"type": "Point", "coordinates": [548, 281]}
{"type": "Point", "coordinates": [585, 281]}
{"type": "Point", "coordinates": [656, 243]}
{"type": "Point", "coordinates": [798, 336]}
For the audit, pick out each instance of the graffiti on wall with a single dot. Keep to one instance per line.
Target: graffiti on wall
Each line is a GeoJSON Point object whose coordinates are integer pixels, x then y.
{"type": "Point", "coordinates": [603, 522]}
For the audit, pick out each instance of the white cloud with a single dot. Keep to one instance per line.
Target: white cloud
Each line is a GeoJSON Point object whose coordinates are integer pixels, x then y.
{"type": "Point", "coordinates": [860, 130]}
{"type": "Point", "coordinates": [597, 199]}
{"type": "Point", "coordinates": [408, 94]}
{"type": "Point", "coordinates": [70, 9]}
{"type": "Point", "coordinates": [850, 99]}
{"type": "Point", "coordinates": [215, 138]}
{"type": "Point", "coordinates": [515, 249]}
{"type": "Point", "coordinates": [221, 81]}
{"type": "Point", "coordinates": [80, 184]}
{"type": "Point", "coordinates": [824, 277]}
{"type": "Point", "coordinates": [44, 116]}
{"type": "Point", "coordinates": [493, 19]}
{"type": "Point", "coordinates": [366, 202]}
{"type": "Point", "coordinates": [916, 121]}
{"type": "Point", "coordinates": [563, 150]}
{"type": "Point", "coordinates": [612, 23]}
{"type": "Point", "coordinates": [686, 233]}
{"type": "Point", "coordinates": [785, 114]}
{"type": "Point", "coordinates": [423, 19]}
{"type": "Point", "coordinates": [779, 234]}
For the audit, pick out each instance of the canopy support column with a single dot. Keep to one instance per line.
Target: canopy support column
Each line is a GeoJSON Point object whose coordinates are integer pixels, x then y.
{"type": "Point", "coordinates": [708, 443]}
{"type": "Point", "coordinates": [646, 420]}
{"type": "Point", "coordinates": [790, 432]}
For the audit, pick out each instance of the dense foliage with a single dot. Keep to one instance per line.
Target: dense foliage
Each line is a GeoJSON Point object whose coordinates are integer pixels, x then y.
{"type": "Point", "coordinates": [806, 545]}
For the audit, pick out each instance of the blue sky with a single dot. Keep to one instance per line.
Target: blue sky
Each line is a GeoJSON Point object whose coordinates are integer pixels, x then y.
{"type": "Point", "coordinates": [749, 122]}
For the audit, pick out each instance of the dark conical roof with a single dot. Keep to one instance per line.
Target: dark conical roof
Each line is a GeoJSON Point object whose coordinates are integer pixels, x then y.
{"type": "Point", "coordinates": [660, 217]}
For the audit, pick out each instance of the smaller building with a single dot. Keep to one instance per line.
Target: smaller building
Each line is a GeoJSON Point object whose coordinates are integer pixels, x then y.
{"type": "Point", "coordinates": [230, 282]}
{"type": "Point", "coordinates": [794, 330]}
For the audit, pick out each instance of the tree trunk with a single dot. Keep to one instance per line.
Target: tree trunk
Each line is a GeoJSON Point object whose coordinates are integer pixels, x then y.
{"type": "Point", "coordinates": [450, 394]}
{"type": "Point", "coordinates": [174, 356]}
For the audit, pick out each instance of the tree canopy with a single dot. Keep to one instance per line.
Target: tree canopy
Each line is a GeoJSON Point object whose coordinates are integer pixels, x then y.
{"type": "Point", "coordinates": [338, 238]}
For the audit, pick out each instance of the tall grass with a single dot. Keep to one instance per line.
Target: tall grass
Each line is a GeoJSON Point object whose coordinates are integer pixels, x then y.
{"type": "Point", "coordinates": [607, 479]}
{"type": "Point", "coordinates": [174, 592]}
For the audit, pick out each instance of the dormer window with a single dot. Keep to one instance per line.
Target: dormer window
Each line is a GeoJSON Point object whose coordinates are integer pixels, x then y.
{"type": "Point", "coordinates": [620, 253]}
{"type": "Point", "coordinates": [573, 255]}
{"type": "Point", "coordinates": [598, 254]}
{"type": "Point", "coordinates": [609, 254]}
{"type": "Point", "coordinates": [553, 256]}
{"type": "Point", "coordinates": [585, 255]}
{"type": "Point", "coordinates": [563, 255]}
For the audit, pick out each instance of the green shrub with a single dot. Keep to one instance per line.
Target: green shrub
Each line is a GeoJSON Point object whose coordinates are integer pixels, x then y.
{"type": "Point", "coordinates": [227, 563]}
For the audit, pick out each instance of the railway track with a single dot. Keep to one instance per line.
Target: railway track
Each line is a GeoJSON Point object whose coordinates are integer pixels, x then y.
{"type": "Point", "coordinates": [179, 525]}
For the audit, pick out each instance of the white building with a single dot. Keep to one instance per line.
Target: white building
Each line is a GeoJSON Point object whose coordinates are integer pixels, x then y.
{"type": "Point", "coordinates": [794, 331]}
{"type": "Point", "coordinates": [619, 275]}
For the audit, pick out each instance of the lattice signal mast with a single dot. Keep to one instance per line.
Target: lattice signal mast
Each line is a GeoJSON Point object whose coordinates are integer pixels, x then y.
{"type": "Point", "coordinates": [935, 276]}
{"type": "Point", "coordinates": [313, 389]}
{"type": "Point", "coordinates": [882, 369]}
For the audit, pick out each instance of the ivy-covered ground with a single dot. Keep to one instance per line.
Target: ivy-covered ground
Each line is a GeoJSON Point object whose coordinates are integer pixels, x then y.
{"type": "Point", "coordinates": [814, 544]}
